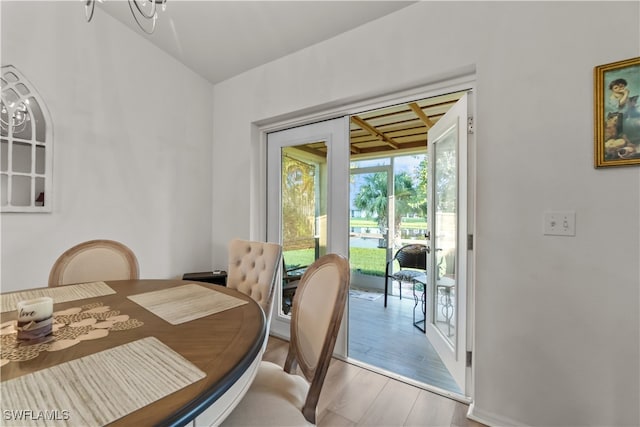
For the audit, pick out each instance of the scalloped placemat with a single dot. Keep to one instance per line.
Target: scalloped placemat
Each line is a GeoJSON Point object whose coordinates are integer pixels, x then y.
{"type": "Point", "coordinates": [103, 387]}
{"type": "Point", "coordinates": [186, 302]}
{"type": "Point", "coordinates": [59, 294]}
{"type": "Point", "coordinates": [70, 327]}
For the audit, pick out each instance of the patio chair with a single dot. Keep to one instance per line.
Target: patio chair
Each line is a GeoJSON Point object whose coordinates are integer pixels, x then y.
{"type": "Point", "coordinates": [412, 262]}
{"type": "Point", "coordinates": [290, 280]}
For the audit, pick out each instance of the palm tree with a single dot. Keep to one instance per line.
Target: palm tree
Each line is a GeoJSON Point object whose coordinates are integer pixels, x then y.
{"type": "Point", "coordinates": [372, 198]}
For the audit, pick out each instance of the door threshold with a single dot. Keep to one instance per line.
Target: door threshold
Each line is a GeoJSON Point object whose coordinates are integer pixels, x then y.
{"type": "Point", "coordinates": [424, 386]}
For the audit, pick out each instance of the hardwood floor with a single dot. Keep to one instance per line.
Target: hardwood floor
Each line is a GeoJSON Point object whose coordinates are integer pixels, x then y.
{"type": "Point", "coordinates": [386, 338]}
{"type": "Point", "coordinates": [354, 396]}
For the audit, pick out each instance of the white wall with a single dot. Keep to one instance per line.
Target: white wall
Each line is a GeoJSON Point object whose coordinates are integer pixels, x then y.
{"type": "Point", "coordinates": [557, 325]}
{"type": "Point", "coordinates": [132, 143]}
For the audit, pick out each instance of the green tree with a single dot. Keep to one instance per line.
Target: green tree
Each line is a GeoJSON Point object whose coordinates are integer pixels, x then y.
{"type": "Point", "coordinates": [372, 198]}
{"type": "Point", "coordinates": [419, 203]}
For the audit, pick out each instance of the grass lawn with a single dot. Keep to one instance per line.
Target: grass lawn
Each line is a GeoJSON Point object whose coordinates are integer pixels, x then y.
{"type": "Point", "coordinates": [298, 258]}
{"type": "Point", "coordinates": [407, 223]}
{"type": "Point", "coordinates": [370, 261]}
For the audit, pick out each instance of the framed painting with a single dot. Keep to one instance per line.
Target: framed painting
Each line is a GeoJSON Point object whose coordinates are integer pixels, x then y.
{"type": "Point", "coordinates": [617, 114]}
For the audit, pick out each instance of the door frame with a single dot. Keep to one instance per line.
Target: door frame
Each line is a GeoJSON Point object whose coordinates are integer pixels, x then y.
{"type": "Point", "coordinates": [356, 105]}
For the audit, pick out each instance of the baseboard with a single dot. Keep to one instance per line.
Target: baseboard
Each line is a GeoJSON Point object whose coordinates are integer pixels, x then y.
{"type": "Point", "coordinates": [280, 327]}
{"type": "Point", "coordinates": [279, 335]}
{"type": "Point", "coordinates": [491, 419]}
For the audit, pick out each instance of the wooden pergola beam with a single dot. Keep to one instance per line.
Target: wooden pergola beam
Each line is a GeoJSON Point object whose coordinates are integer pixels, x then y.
{"type": "Point", "coordinates": [418, 112]}
{"type": "Point", "coordinates": [374, 132]}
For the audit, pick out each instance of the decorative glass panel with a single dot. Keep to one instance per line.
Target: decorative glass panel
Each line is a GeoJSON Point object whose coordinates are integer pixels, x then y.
{"type": "Point", "coordinates": [304, 214]}
{"type": "Point", "coordinates": [40, 153]}
{"type": "Point", "coordinates": [445, 231]}
{"type": "Point", "coordinates": [21, 190]}
{"type": "Point", "coordinates": [10, 77]}
{"type": "Point", "coordinates": [4, 154]}
{"type": "Point", "coordinates": [40, 124]}
{"type": "Point", "coordinates": [26, 148]}
{"type": "Point", "coordinates": [39, 193]}
{"type": "Point", "coordinates": [4, 187]}
{"type": "Point", "coordinates": [22, 89]}
{"type": "Point", "coordinates": [21, 157]}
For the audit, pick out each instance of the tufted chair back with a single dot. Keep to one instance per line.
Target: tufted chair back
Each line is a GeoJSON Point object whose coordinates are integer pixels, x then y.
{"type": "Point", "coordinates": [252, 270]}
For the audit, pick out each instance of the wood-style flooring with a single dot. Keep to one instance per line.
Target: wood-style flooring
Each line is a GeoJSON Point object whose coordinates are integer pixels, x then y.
{"type": "Point", "coordinates": [386, 338]}
{"type": "Point", "coordinates": [354, 396]}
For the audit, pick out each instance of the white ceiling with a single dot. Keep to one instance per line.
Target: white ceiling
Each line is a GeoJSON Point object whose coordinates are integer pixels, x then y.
{"type": "Point", "coordinates": [220, 39]}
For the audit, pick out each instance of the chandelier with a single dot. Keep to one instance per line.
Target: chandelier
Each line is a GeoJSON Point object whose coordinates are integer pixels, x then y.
{"type": "Point", "coordinates": [16, 116]}
{"type": "Point", "coordinates": [145, 12]}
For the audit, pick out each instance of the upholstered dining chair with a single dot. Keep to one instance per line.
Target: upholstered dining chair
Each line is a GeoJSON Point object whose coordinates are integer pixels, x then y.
{"type": "Point", "coordinates": [281, 397]}
{"type": "Point", "coordinates": [94, 260]}
{"type": "Point", "coordinates": [253, 267]}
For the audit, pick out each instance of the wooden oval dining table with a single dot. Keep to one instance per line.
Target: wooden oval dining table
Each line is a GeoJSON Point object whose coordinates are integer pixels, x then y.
{"type": "Point", "coordinates": [223, 348]}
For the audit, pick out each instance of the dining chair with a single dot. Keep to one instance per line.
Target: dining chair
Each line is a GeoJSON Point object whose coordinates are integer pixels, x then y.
{"type": "Point", "coordinates": [253, 268]}
{"type": "Point", "coordinates": [412, 262]}
{"type": "Point", "coordinates": [280, 396]}
{"type": "Point", "coordinates": [94, 260]}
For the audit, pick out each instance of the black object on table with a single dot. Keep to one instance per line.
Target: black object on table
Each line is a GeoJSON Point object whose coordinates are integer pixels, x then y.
{"type": "Point", "coordinates": [217, 277]}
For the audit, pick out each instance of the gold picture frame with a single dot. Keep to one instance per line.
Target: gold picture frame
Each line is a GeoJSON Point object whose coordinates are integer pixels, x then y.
{"type": "Point", "coordinates": [617, 113]}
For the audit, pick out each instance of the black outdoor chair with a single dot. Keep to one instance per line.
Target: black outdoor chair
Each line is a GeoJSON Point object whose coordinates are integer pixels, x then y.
{"type": "Point", "coordinates": [290, 281]}
{"type": "Point", "coordinates": [412, 261]}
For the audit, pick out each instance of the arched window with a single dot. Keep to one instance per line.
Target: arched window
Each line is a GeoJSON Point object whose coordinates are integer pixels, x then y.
{"type": "Point", "coordinates": [26, 139]}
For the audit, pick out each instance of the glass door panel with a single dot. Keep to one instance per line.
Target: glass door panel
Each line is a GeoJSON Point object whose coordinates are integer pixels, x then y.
{"type": "Point", "coordinates": [303, 195]}
{"type": "Point", "coordinates": [307, 204]}
{"type": "Point", "coordinates": [368, 227]}
{"type": "Point", "coordinates": [445, 233]}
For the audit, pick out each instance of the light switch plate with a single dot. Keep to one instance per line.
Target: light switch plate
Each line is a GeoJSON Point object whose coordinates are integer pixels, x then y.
{"type": "Point", "coordinates": [558, 223]}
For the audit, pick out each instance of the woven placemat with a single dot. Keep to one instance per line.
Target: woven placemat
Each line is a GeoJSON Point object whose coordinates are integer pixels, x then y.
{"type": "Point", "coordinates": [59, 294]}
{"type": "Point", "coordinates": [100, 388]}
{"type": "Point", "coordinates": [185, 303]}
{"type": "Point", "coordinates": [70, 327]}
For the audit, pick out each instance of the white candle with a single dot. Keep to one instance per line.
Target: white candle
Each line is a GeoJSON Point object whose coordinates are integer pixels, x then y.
{"type": "Point", "coordinates": [35, 309]}
{"type": "Point", "coordinates": [35, 318]}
